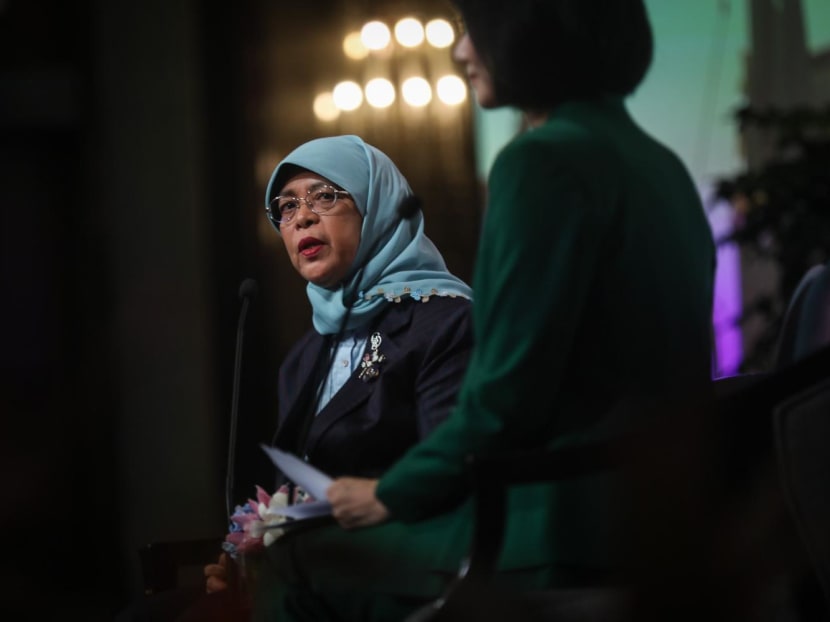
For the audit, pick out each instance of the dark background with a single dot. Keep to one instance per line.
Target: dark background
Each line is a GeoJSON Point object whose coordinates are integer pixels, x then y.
{"type": "Point", "coordinates": [136, 139]}
{"type": "Point", "coordinates": [136, 142]}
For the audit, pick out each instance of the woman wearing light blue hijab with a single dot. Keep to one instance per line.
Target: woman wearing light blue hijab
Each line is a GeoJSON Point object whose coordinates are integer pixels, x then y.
{"type": "Point", "coordinates": [394, 259]}
{"type": "Point", "coordinates": [392, 333]}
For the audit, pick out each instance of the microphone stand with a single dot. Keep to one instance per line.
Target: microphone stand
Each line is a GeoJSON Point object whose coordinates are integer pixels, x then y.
{"type": "Point", "coordinates": [247, 290]}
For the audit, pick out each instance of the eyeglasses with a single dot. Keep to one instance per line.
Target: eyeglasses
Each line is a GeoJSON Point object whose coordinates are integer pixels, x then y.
{"type": "Point", "coordinates": [319, 200]}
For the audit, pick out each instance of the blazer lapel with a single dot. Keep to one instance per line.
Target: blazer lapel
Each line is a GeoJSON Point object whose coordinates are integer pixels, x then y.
{"type": "Point", "coordinates": [356, 390]}
{"type": "Point", "coordinates": [296, 404]}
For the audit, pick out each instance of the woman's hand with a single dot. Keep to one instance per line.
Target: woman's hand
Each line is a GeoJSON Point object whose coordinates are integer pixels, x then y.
{"type": "Point", "coordinates": [354, 503]}
{"type": "Point", "coordinates": [217, 575]}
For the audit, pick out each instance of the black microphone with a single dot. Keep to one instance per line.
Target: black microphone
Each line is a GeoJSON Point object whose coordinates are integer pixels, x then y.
{"type": "Point", "coordinates": [409, 206]}
{"type": "Point", "coordinates": [247, 292]}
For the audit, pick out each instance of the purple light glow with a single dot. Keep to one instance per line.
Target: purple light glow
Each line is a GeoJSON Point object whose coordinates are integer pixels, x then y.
{"type": "Point", "coordinates": [728, 301]}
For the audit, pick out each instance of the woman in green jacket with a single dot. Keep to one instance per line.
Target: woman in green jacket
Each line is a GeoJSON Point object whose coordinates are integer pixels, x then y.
{"type": "Point", "coordinates": [594, 284]}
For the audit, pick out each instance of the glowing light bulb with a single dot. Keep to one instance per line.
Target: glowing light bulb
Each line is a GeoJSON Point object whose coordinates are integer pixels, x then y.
{"type": "Point", "coordinates": [416, 92]}
{"type": "Point", "coordinates": [451, 90]}
{"type": "Point", "coordinates": [379, 93]}
{"type": "Point", "coordinates": [324, 107]}
{"type": "Point", "coordinates": [439, 33]}
{"type": "Point", "coordinates": [375, 35]}
{"type": "Point", "coordinates": [409, 32]}
{"type": "Point", "coordinates": [353, 46]}
{"type": "Point", "coordinates": [347, 95]}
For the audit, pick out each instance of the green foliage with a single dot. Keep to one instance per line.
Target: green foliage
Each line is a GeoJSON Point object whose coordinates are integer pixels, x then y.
{"type": "Point", "coordinates": [783, 208]}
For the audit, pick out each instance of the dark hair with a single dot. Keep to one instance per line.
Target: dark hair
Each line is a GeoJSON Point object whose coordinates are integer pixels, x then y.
{"type": "Point", "coordinates": [543, 52]}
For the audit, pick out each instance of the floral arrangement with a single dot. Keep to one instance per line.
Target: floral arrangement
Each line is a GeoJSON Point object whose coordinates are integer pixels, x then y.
{"type": "Point", "coordinates": [255, 525]}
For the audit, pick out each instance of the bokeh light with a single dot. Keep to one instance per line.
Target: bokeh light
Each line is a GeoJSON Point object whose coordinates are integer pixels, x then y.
{"type": "Point", "coordinates": [392, 48]}
{"type": "Point", "coordinates": [439, 33]}
{"type": "Point", "coordinates": [451, 90]}
{"type": "Point", "coordinates": [409, 32]}
{"type": "Point", "coordinates": [375, 35]}
{"type": "Point", "coordinates": [353, 46]}
{"type": "Point", "coordinates": [416, 92]}
{"type": "Point", "coordinates": [324, 108]}
{"type": "Point", "coordinates": [347, 95]}
{"type": "Point", "coordinates": [380, 93]}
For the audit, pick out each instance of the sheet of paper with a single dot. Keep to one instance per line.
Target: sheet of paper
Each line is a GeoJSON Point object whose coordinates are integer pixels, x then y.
{"type": "Point", "coordinates": [313, 481]}
{"type": "Point", "coordinates": [307, 510]}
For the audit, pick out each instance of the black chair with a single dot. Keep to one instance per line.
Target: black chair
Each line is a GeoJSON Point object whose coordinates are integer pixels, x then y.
{"type": "Point", "coordinates": [172, 574]}
{"type": "Point", "coordinates": [806, 323]}
{"type": "Point", "coordinates": [802, 426]}
{"type": "Point", "coordinates": [176, 564]}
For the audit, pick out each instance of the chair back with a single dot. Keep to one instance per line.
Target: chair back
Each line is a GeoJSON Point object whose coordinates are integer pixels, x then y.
{"type": "Point", "coordinates": [802, 426]}
{"type": "Point", "coordinates": [172, 564]}
{"type": "Point", "coordinates": [806, 324]}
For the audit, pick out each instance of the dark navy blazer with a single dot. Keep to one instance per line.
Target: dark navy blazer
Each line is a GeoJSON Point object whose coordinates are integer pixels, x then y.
{"type": "Point", "coordinates": [368, 424]}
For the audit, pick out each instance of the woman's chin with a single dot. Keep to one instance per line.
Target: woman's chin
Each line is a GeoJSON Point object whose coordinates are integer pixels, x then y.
{"type": "Point", "coordinates": [325, 283]}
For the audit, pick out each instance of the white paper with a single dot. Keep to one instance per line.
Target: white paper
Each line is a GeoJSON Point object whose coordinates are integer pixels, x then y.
{"type": "Point", "coordinates": [313, 481]}
{"type": "Point", "coordinates": [306, 510]}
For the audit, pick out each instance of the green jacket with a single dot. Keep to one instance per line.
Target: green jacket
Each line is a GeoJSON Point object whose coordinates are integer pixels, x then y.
{"type": "Point", "coordinates": [593, 283]}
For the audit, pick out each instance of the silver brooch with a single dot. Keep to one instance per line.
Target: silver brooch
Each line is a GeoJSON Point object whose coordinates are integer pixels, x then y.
{"type": "Point", "coordinates": [371, 360]}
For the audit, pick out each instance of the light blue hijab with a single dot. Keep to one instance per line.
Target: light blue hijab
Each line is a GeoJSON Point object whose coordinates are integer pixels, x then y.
{"type": "Point", "coordinates": [403, 262]}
